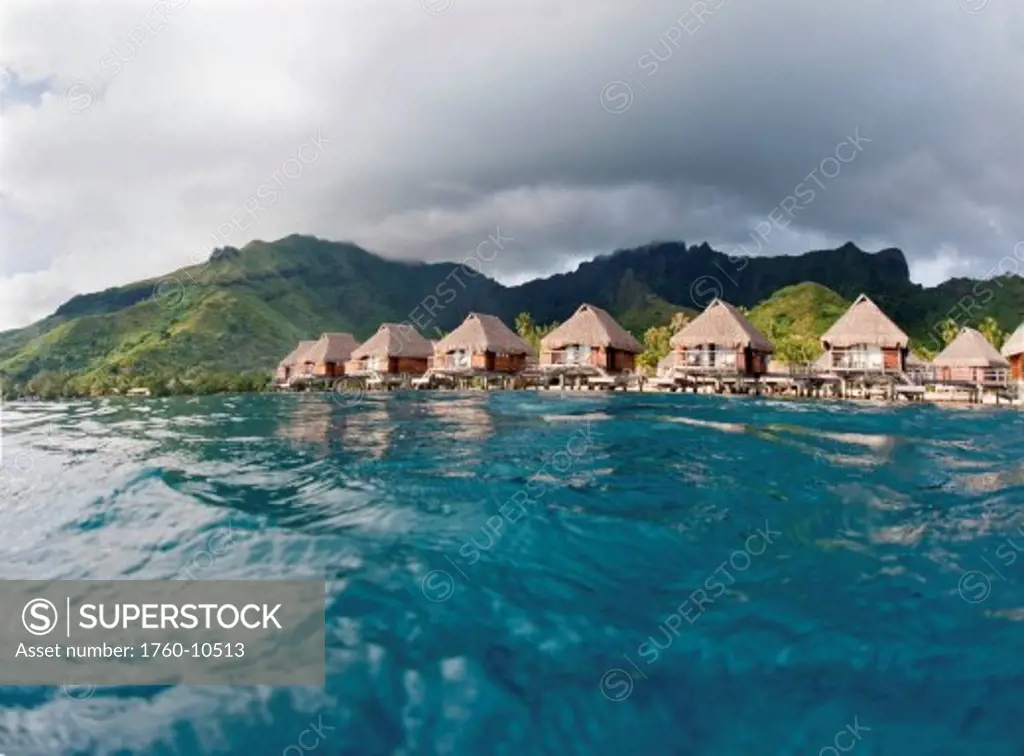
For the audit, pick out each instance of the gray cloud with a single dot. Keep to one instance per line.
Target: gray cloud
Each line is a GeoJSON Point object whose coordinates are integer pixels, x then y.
{"type": "Point", "coordinates": [445, 127]}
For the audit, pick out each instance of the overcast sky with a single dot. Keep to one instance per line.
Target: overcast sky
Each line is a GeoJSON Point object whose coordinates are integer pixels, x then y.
{"type": "Point", "coordinates": [133, 133]}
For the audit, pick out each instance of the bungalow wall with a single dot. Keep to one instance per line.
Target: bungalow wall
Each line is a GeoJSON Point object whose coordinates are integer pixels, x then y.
{"type": "Point", "coordinates": [326, 369]}
{"type": "Point", "coordinates": [391, 366]}
{"type": "Point", "coordinates": [1017, 367]}
{"type": "Point", "coordinates": [861, 357]}
{"type": "Point", "coordinates": [411, 365]}
{"type": "Point", "coordinates": [605, 358]}
{"type": "Point", "coordinates": [967, 374]}
{"type": "Point", "coordinates": [482, 361]}
{"type": "Point", "coordinates": [490, 362]}
{"type": "Point", "coordinates": [620, 361]}
{"type": "Point", "coordinates": [747, 361]}
{"type": "Point", "coordinates": [756, 363]}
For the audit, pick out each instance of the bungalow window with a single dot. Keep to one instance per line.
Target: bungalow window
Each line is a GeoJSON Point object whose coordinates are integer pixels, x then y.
{"type": "Point", "coordinates": [460, 358]}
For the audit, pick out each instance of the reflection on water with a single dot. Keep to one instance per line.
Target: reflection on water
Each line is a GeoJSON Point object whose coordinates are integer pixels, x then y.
{"type": "Point", "coordinates": [464, 418]}
{"type": "Point", "coordinates": [364, 428]}
{"type": "Point", "coordinates": [309, 423]}
{"type": "Point", "coordinates": [367, 427]}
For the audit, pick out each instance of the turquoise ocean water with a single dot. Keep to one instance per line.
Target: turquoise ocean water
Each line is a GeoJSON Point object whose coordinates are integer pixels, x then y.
{"type": "Point", "coordinates": [537, 573]}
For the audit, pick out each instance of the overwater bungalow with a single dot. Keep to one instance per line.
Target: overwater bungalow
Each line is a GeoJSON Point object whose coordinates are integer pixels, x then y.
{"type": "Point", "coordinates": [290, 366]}
{"type": "Point", "coordinates": [482, 344]}
{"type": "Point", "coordinates": [1013, 350]}
{"type": "Point", "coordinates": [395, 352]}
{"type": "Point", "coordinates": [970, 358]}
{"type": "Point", "coordinates": [328, 355]}
{"type": "Point", "coordinates": [865, 341]}
{"type": "Point", "coordinates": [591, 341]}
{"type": "Point", "coordinates": [721, 341]}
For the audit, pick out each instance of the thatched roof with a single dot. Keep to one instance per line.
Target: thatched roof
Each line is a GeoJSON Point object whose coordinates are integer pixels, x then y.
{"type": "Point", "coordinates": [591, 326]}
{"type": "Point", "coordinates": [483, 333]}
{"type": "Point", "coordinates": [297, 354]}
{"type": "Point", "coordinates": [1015, 344]}
{"type": "Point", "coordinates": [394, 340]}
{"type": "Point", "coordinates": [331, 347]}
{"type": "Point", "coordinates": [970, 349]}
{"type": "Point", "coordinates": [916, 360]}
{"type": "Point", "coordinates": [865, 323]}
{"type": "Point", "coordinates": [723, 325]}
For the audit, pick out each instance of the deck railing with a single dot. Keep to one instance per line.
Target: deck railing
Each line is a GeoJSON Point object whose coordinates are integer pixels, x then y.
{"type": "Point", "coordinates": [972, 376]}
{"type": "Point", "coordinates": [995, 376]}
{"type": "Point", "coordinates": [453, 361]}
{"type": "Point", "coordinates": [861, 360]}
{"type": "Point", "coordinates": [709, 361]}
{"type": "Point", "coordinates": [571, 356]}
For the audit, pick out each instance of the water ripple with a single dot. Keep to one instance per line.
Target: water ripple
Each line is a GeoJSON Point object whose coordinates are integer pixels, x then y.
{"type": "Point", "coordinates": [524, 572]}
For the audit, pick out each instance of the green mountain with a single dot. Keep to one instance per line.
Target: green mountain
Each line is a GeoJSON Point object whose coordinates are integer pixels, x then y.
{"type": "Point", "coordinates": [795, 317]}
{"type": "Point", "coordinates": [241, 310]}
{"type": "Point", "coordinates": [806, 309]}
{"type": "Point", "coordinates": [245, 308]}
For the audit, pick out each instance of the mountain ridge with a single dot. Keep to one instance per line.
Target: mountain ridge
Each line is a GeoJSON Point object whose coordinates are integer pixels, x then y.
{"type": "Point", "coordinates": [244, 308]}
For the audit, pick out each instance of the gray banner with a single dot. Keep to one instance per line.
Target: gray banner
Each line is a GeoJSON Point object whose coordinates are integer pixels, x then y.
{"type": "Point", "coordinates": [162, 632]}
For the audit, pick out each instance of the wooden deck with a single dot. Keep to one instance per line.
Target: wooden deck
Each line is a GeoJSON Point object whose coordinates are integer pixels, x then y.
{"type": "Point", "coordinates": [801, 381]}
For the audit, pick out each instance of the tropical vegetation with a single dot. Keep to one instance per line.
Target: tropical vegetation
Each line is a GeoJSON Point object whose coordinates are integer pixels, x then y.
{"type": "Point", "coordinates": [223, 325]}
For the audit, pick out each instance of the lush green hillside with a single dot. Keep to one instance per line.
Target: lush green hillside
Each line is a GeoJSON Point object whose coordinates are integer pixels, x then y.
{"type": "Point", "coordinates": [795, 317]}
{"type": "Point", "coordinates": [244, 309]}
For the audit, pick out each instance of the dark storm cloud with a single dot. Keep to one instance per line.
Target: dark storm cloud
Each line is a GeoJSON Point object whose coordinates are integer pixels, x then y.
{"type": "Point", "coordinates": [723, 124]}
{"type": "Point", "coordinates": [575, 128]}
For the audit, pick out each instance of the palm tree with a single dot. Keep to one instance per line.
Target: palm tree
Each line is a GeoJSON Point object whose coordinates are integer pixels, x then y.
{"type": "Point", "coordinates": [990, 330]}
{"type": "Point", "coordinates": [678, 322]}
{"type": "Point", "coordinates": [949, 330]}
